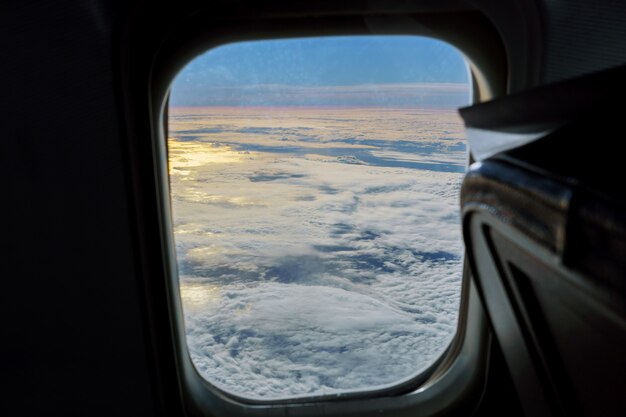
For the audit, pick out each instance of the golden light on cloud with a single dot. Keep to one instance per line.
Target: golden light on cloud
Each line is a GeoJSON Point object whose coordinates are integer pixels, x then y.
{"type": "Point", "coordinates": [203, 252]}
{"type": "Point", "coordinates": [192, 229]}
{"type": "Point", "coordinates": [195, 154]}
{"type": "Point", "coordinates": [199, 296]}
{"type": "Point", "coordinates": [201, 197]}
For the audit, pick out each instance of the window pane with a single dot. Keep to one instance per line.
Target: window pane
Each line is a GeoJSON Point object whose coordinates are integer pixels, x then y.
{"type": "Point", "coordinates": [314, 186]}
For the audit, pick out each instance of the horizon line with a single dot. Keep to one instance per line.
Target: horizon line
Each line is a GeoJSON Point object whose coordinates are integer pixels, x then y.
{"type": "Point", "coordinates": [322, 106]}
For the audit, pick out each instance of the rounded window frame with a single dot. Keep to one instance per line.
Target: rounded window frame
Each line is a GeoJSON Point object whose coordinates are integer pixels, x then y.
{"type": "Point", "coordinates": [463, 366]}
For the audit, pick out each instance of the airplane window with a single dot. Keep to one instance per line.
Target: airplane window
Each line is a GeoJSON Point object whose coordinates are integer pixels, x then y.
{"type": "Point", "coordinates": [314, 188]}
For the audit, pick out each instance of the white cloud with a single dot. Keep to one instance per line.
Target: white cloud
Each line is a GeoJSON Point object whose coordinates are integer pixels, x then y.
{"type": "Point", "coordinates": [275, 339]}
{"type": "Point", "coordinates": [304, 273]}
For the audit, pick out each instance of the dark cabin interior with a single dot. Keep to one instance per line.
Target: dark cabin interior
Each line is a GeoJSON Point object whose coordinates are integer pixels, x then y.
{"type": "Point", "coordinates": [88, 326]}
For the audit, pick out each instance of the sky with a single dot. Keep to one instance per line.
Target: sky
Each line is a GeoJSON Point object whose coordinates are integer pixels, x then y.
{"type": "Point", "coordinates": [388, 71]}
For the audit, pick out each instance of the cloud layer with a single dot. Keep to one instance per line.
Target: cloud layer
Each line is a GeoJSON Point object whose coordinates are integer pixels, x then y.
{"type": "Point", "coordinates": [319, 251]}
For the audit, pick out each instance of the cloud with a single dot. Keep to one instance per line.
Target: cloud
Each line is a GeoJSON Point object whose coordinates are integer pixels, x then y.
{"type": "Point", "coordinates": [302, 272]}
{"type": "Point", "coordinates": [427, 95]}
{"type": "Point", "coordinates": [273, 339]}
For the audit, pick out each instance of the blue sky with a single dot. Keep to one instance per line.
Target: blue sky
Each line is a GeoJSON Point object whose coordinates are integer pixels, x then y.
{"type": "Point", "coordinates": [301, 72]}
